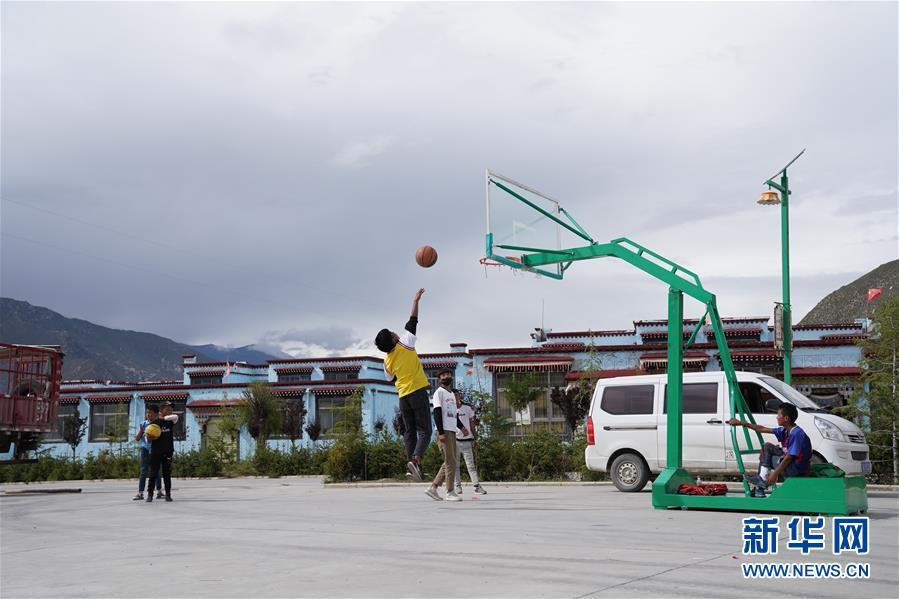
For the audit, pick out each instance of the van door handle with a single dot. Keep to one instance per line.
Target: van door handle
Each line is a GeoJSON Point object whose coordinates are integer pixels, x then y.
{"type": "Point", "coordinates": [714, 421]}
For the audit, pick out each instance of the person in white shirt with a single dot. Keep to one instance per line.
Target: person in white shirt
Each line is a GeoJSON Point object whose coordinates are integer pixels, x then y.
{"type": "Point", "coordinates": [464, 441]}
{"type": "Point", "coordinates": [444, 408]}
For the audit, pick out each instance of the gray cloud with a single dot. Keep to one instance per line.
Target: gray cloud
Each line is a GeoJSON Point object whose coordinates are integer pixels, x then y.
{"type": "Point", "coordinates": [273, 167]}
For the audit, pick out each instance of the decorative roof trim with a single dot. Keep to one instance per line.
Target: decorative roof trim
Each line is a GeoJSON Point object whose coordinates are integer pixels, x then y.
{"type": "Point", "coordinates": [447, 364]}
{"type": "Point", "coordinates": [169, 396]}
{"type": "Point", "coordinates": [121, 398]}
{"type": "Point", "coordinates": [813, 371]}
{"type": "Point", "coordinates": [576, 375]}
{"type": "Point", "coordinates": [342, 368]}
{"type": "Point", "coordinates": [293, 369]}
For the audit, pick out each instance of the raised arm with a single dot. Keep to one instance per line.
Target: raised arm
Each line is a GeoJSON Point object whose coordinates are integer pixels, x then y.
{"type": "Point", "coordinates": [418, 295]}
{"type": "Point", "coordinates": [756, 427]}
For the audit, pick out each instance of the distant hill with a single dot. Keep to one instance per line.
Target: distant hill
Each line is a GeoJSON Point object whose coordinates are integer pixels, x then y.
{"type": "Point", "coordinates": [851, 301]}
{"type": "Point", "coordinates": [98, 352]}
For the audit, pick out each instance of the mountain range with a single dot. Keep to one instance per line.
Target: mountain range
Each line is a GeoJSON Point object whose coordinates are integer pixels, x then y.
{"type": "Point", "coordinates": [97, 352]}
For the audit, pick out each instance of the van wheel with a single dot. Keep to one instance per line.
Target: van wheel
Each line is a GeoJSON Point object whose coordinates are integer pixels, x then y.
{"type": "Point", "coordinates": [629, 473]}
{"type": "Point", "coordinates": [817, 458]}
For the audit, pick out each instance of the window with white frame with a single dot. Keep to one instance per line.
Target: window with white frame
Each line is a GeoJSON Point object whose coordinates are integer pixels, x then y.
{"type": "Point", "coordinates": [328, 410]}
{"type": "Point", "coordinates": [108, 421]}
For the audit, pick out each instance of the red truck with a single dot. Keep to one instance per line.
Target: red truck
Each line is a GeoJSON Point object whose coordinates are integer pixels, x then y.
{"type": "Point", "coordinates": [30, 377]}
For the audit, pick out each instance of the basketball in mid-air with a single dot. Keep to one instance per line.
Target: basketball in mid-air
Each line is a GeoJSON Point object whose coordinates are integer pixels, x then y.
{"type": "Point", "coordinates": [153, 431]}
{"type": "Point", "coordinates": [426, 256]}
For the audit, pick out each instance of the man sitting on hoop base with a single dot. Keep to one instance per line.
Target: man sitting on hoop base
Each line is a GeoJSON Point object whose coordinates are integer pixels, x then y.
{"type": "Point", "coordinates": [403, 366]}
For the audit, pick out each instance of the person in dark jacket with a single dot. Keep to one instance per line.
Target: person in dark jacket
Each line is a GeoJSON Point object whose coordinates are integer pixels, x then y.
{"type": "Point", "coordinates": [162, 450]}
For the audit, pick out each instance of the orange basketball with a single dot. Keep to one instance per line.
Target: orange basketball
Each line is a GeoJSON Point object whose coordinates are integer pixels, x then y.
{"type": "Point", "coordinates": [426, 256]}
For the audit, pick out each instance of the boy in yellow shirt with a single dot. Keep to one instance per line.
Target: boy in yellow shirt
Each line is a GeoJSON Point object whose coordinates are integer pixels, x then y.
{"type": "Point", "coordinates": [403, 366]}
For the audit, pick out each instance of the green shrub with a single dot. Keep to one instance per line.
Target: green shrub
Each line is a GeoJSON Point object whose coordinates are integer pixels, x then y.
{"type": "Point", "coordinates": [576, 457]}
{"type": "Point", "coordinates": [346, 459]}
{"type": "Point", "coordinates": [493, 457]}
{"type": "Point", "coordinates": [196, 464]}
{"type": "Point", "coordinates": [386, 459]}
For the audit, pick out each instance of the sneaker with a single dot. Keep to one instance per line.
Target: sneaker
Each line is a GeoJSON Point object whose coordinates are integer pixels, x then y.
{"type": "Point", "coordinates": [168, 498]}
{"type": "Point", "coordinates": [479, 490]}
{"type": "Point", "coordinates": [755, 479]}
{"type": "Point", "coordinates": [458, 490]}
{"type": "Point", "coordinates": [432, 493]}
{"type": "Point", "coordinates": [159, 495]}
{"type": "Point", "coordinates": [149, 498]}
{"type": "Point", "coordinates": [758, 492]}
{"type": "Point", "coordinates": [414, 471]}
{"type": "Point", "coordinates": [452, 497]}
{"type": "Point", "coordinates": [137, 497]}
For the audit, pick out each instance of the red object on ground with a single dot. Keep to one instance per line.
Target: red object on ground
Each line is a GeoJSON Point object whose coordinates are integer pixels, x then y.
{"type": "Point", "coordinates": [703, 489]}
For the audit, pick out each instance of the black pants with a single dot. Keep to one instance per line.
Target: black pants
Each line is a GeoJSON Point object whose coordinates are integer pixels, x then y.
{"type": "Point", "coordinates": [417, 422]}
{"type": "Point", "coordinates": [164, 460]}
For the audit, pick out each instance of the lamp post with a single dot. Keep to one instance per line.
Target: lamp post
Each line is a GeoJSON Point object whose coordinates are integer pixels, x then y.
{"type": "Point", "coordinates": [771, 198]}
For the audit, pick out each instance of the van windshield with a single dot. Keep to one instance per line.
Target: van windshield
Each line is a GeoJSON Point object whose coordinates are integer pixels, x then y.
{"type": "Point", "coordinates": [792, 395]}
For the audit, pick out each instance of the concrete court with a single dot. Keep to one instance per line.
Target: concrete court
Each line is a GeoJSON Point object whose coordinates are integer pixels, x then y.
{"type": "Point", "coordinates": [294, 537]}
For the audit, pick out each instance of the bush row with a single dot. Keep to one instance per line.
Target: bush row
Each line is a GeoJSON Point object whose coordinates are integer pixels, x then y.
{"type": "Point", "coordinates": [541, 456]}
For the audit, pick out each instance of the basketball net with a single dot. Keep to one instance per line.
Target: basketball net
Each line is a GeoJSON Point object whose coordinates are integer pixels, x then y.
{"type": "Point", "coordinates": [515, 271]}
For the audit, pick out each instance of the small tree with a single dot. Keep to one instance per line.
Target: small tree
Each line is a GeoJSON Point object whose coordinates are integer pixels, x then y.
{"type": "Point", "coordinates": [490, 422]}
{"type": "Point", "coordinates": [74, 427]}
{"type": "Point", "coordinates": [521, 390]}
{"type": "Point", "coordinates": [574, 401]}
{"type": "Point", "coordinates": [314, 430]}
{"type": "Point", "coordinates": [260, 412]}
{"type": "Point", "coordinates": [878, 404]}
{"type": "Point", "coordinates": [348, 421]}
{"type": "Point", "coordinates": [294, 414]}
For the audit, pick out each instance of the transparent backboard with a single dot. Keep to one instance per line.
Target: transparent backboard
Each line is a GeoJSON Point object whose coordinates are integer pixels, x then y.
{"type": "Point", "coordinates": [517, 222]}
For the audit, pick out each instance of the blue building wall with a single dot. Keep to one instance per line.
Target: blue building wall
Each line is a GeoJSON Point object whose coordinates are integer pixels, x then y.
{"type": "Point", "coordinates": [817, 350]}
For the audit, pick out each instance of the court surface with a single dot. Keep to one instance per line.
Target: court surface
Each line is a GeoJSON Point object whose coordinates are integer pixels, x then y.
{"type": "Point", "coordinates": [295, 537]}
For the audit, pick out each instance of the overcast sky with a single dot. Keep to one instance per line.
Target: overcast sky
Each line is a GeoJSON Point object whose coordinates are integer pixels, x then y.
{"type": "Point", "coordinates": [263, 173]}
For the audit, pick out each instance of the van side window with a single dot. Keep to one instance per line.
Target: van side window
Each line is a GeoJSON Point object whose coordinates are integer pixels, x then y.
{"type": "Point", "coordinates": [697, 398]}
{"type": "Point", "coordinates": [756, 396]}
{"type": "Point", "coordinates": [628, 399]}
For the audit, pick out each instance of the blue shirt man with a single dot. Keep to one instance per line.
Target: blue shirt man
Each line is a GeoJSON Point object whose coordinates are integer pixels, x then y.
{"type": "Point", "coordinates": [149, 416]}
{"type": "Point", "coordinates": [793, 458]}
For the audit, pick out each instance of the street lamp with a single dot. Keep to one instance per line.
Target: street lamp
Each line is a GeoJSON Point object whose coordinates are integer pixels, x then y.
{"type": "Point", "coordinates": [771, 198]}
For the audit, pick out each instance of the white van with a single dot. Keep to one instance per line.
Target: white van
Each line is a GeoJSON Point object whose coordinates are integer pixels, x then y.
{"type": "Point", "coordinates": [627, 427]}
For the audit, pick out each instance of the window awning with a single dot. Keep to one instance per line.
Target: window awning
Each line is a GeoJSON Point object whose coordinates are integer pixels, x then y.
{"type": "Point", "coordinates": [576, 375]}
{"type": "Point", "coordinates": [213, 404]}
{"type": "Point", "coordinates": [342, 368]}
{"type": "Point", "coordinates": [761, 356]}
{"type": "Point", "coordinates": [448, 364]}
{"type": "Point", "coordinates": [290, 392]}
{"type": "Point", "coordinates": [69, 401]}
{"type": "Point", "coordinates": [293, 369]}
{"type": "Point", "coordinates": [529, 364]}
{"type": "Point", "coordinates": [177, 396]}
{"type": "Point", "coordinates": [207, 372]}
{"type": "Point", "coordinates": [660, 359]}
{"type": "Point", "coordinates": [825, 371]}
{"type": "Point", "coordinates": [736, 332]}
{"type": "Point", "coordinates": [108, 398]}
{"type": "Point", "coordinates": [335, 391]}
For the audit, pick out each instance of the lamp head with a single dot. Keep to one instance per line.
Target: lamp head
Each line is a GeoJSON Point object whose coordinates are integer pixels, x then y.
{"type": "Point", "coordinates": [769, 198]}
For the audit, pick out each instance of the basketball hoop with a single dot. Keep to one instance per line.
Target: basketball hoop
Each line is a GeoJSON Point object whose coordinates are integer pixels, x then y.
{"type": "Point", "coordinates": [492, 262]}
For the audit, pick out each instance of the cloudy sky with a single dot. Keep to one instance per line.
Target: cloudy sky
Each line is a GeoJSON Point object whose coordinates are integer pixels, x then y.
{"type": "Point", "coordinates": [263, 173]}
